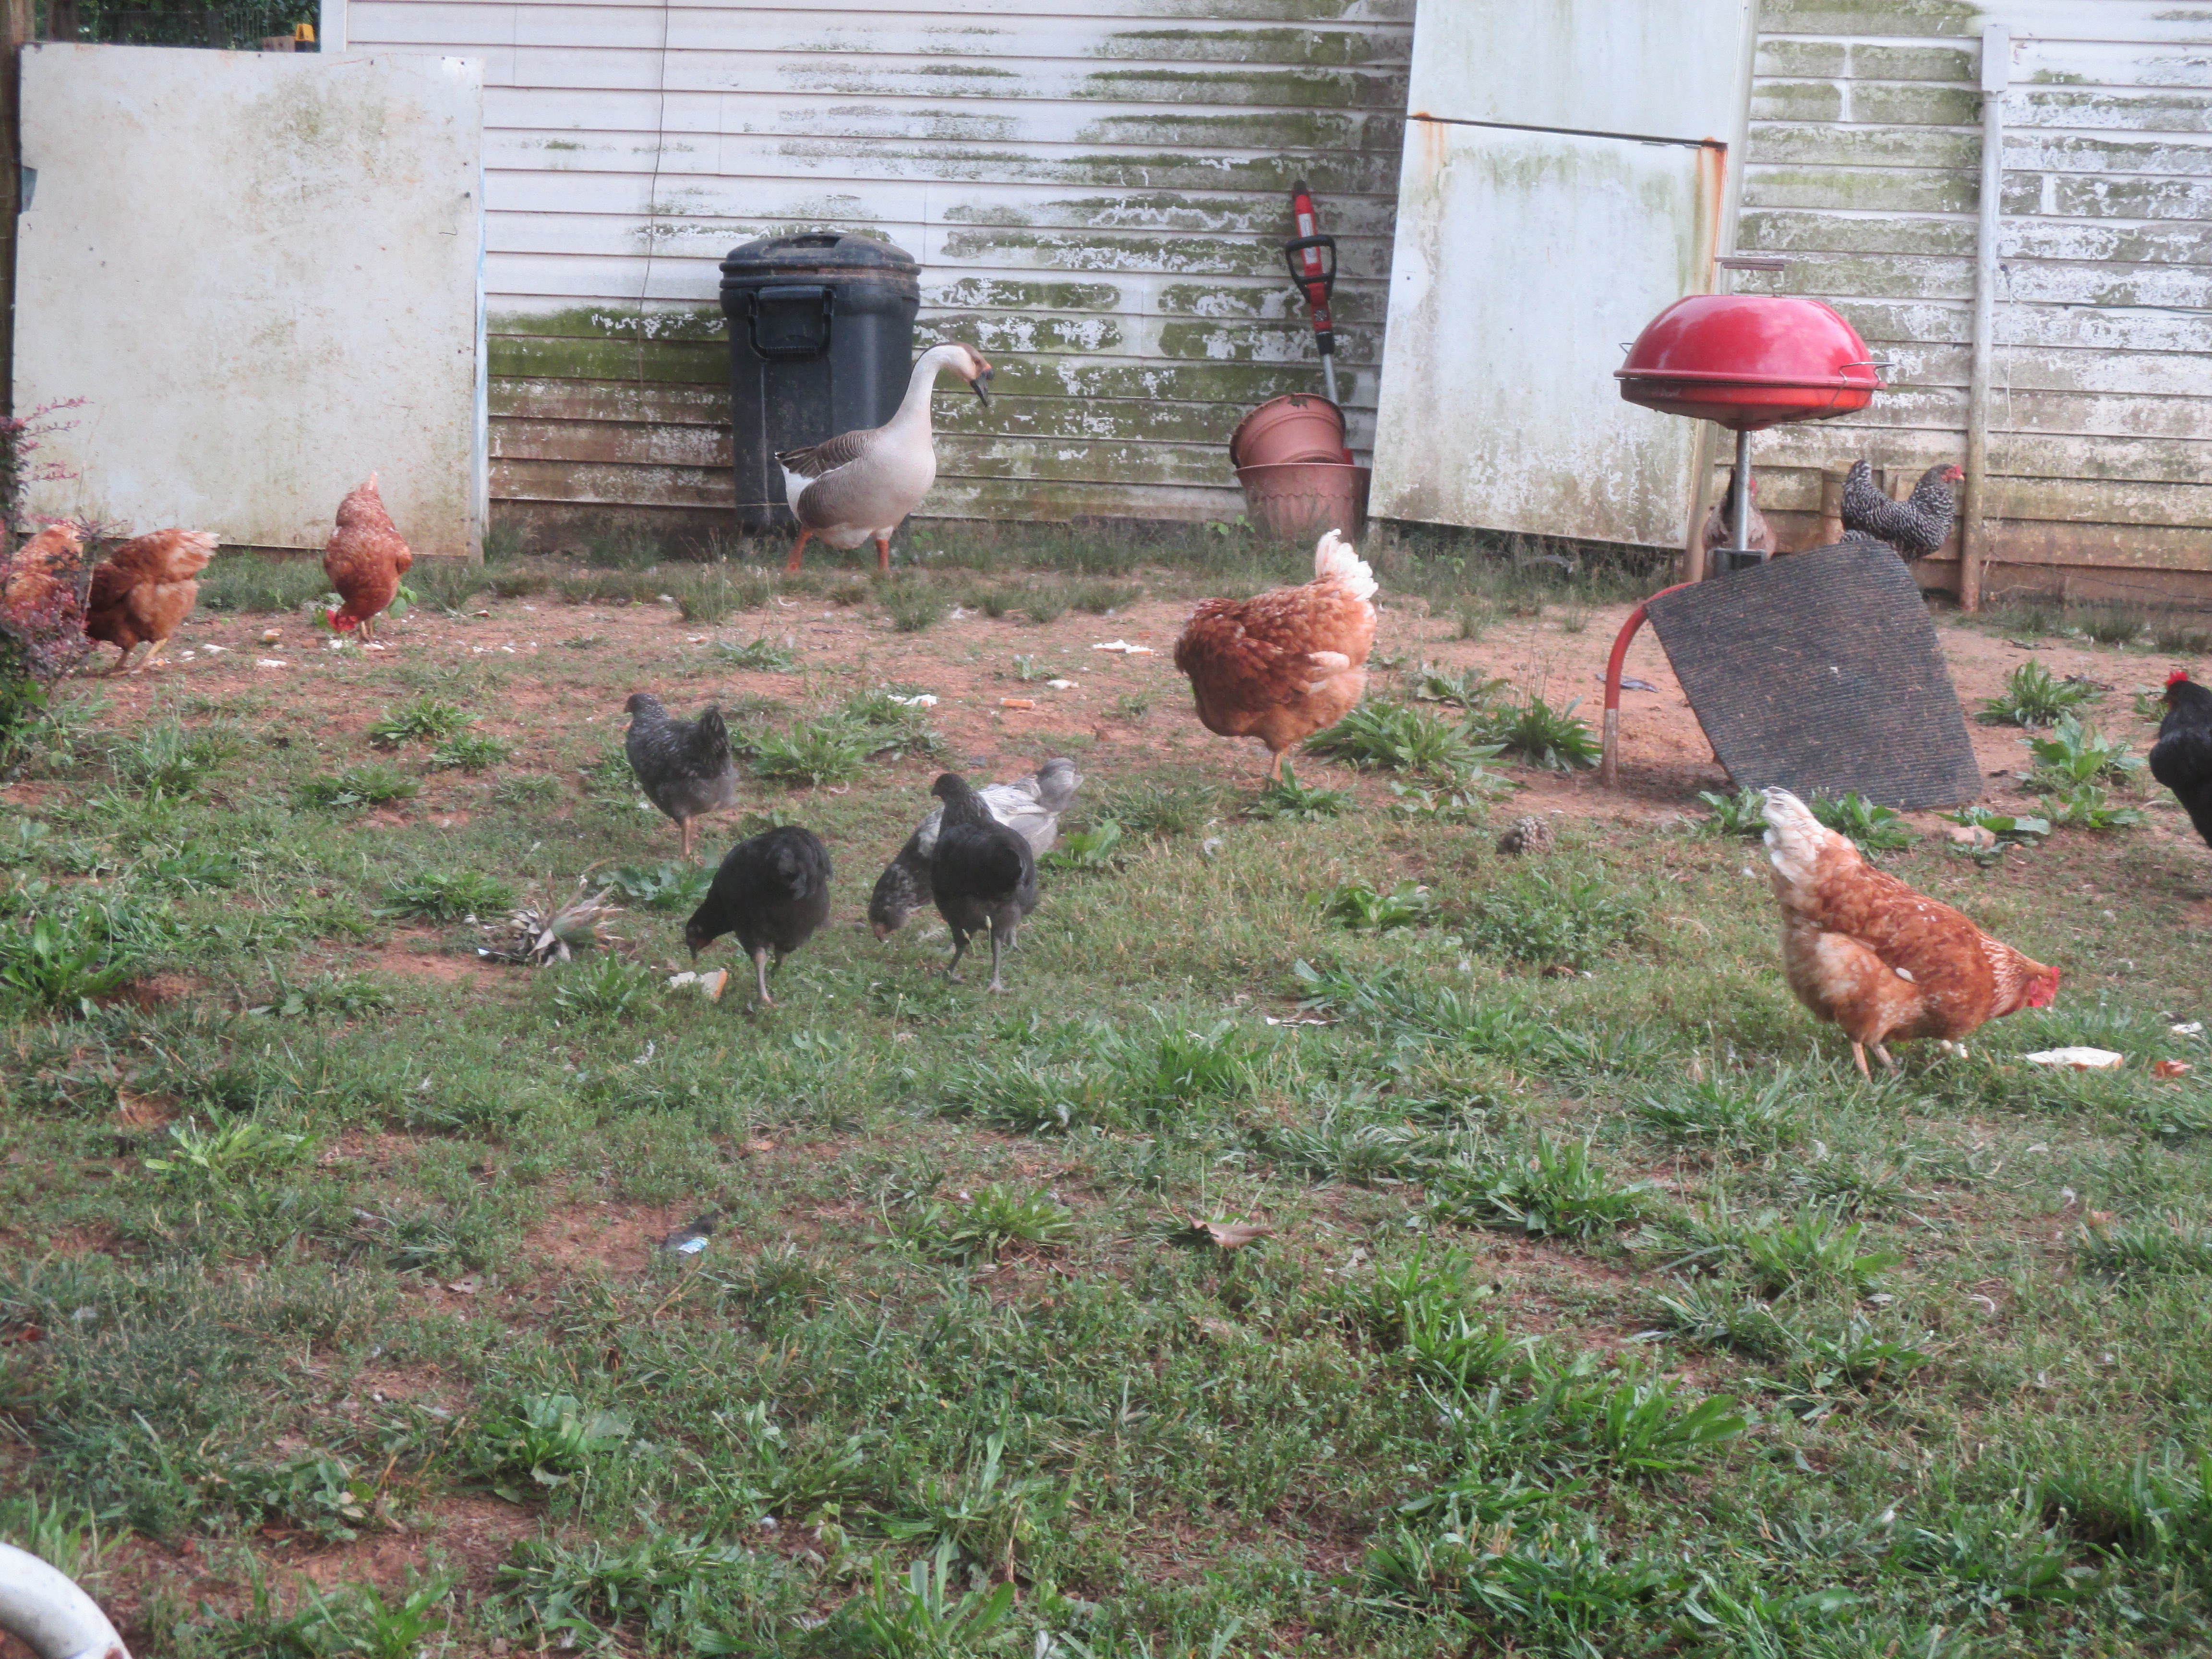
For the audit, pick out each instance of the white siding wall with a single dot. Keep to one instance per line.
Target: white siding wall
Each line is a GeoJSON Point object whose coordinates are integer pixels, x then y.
{"type": "Point", "coordinates": [1864, 168]}
{"type": "Point", "coordinates": [1098, 194]}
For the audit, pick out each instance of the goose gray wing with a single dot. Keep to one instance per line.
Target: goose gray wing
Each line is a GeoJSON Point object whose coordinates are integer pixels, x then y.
{"type": "Point", "coordinates": [818, 460]}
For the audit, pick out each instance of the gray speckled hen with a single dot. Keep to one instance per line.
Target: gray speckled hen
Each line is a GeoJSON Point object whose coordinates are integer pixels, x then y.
{"type": "Point", "coordinates": [1030, 807]}
{"type": "Point", "coordinates": [683, 766]}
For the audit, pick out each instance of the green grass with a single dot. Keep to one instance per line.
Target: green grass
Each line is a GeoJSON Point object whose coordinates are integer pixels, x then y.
{"type": "Point", "coordinates": [1600, 1308]}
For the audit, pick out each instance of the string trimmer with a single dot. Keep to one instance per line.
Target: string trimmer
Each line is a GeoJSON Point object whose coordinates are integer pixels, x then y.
{"type": "Point", "coordinates": [1312, 260]}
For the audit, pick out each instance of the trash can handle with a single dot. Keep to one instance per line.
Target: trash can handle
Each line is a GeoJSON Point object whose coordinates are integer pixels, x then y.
{"type": "Point", "coordinates": [761, 296]}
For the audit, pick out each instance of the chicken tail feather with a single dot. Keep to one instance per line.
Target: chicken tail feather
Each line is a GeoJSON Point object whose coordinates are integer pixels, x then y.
{"type": "Point", "coordinates": [1334, 556]}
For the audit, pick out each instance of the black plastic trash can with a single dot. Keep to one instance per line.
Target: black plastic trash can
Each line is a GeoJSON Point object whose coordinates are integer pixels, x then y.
{"type": "Point", "coordinates": [821, 342]}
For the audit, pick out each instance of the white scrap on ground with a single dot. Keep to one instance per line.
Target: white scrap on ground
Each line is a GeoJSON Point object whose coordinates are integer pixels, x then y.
{"type": "Point", "coordinates": [920, 700]}
{"type": "Point", "coordinates": [1125, 647]}
{"type": "Point", "coordinates": [2082, 1060]}
{"type": "Point", "coordinates": [1061, 685]}
{"type": "Point", "coordinates": [270, 662]}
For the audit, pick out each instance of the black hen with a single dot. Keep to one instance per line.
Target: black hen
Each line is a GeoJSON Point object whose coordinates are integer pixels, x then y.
{"type": "Point", "coordinates": [1916, 527]}
{"type": "Point", "coordinates": [981, 873]}
{"type": "Point", "coordinates": [2181, 759]}
{"type": "Point", "coordinates": [1029, 807]}
{"type": "Point", "coordinates": [772, 891]}
{"type": "Point", "coordinates": [683, 766]}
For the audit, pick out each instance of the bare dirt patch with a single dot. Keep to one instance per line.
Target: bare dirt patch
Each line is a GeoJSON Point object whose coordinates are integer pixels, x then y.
{"type": "Point", "coordinates": [1117, 712]}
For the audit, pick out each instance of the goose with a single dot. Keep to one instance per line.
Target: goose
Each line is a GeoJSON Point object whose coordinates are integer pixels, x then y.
{"type": "Point", "coordinates": [859, 486]}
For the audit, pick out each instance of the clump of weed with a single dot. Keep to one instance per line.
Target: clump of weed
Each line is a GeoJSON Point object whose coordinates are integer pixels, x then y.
{"type": "Point", "coordinates": [829, 750]}
{"type": "Point", "coordinates": [1562, 920]}
{"type": "Point", "coordinates": [2168, 1243]}
{"type": "Point", "coordinates": [603, 983]}
{"type": "Point", "coordinates": [2113, 625]}
{"type": "Point", "coordinates": [1359, 907]}
{"type": "Point", "coordinates": [1555, 1188]}
{"type": "Point", "coordinates": [425, 719]}
{"type": "Point", "coordinates": [1876, 828]}
{"type": "Point", "coordinates": [448, 896]}
{"type": "Point", "coordinates": [710, 595]}
{"type": "Point", "coordinates": [665, 886]}
{"type": "Point", "coordinates": [1400, 737]}
{"type": "Point", "coordinates": [67, 955]}
{"type": "Point", "coordinates": [1285, 799]}
{"type": "Point", "coordinates": [761, 656]}
{"type": "Point", "coordinates": [913, 606]}
{"type": "Point", "coordinates": [1096, 847]}
{"type": "Point", "coordinates": [229, 1147]}
{"type": "Point", "coordinates": [1149, 808]}
{"type": "Point", "coordinates": [470, 751]}
{"type": "Point", "coordinates": [1725, 1114]}
{"type": "Point", "coordinates": [164, 758]}
{"type": "Point", "coordinates": [986, 1225]}
{"type": "Point", "coordinates": [1541, 735]}
{"type": "Point", "coordinates": [2032, 697]}
{"type": "Point", "coordinates": [1743, 813]}
{"type": "Point", "coordinates": [356, 788]}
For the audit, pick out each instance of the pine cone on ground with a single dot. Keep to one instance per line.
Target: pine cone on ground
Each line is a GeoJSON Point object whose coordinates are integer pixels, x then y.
{"type": "Point", "coordinates": [1528, 835]}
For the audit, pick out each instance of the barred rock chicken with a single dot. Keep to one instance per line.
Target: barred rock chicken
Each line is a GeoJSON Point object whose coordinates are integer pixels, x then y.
{"type": "Point", "coordinates": [980, 873]}
{"type": "Point", "coordinates": [1720, 523]}
{"type": "Point", "coordinates": [684, 767]}
{"type": "Point", "coordinates": [1867, 952]}
{"type": "Point", "coordinates": [142, 592]}
{"type": "Point", "coordinates": [1029, 807]}
{"type": "Point", "coordinates": [1916, 526]}
{"type": "Point", "coordinates": [365, 560]}
{"type": "Point", "coordinates": [1289, 663]}
{"type": "Point", "coordinates": [772, 891]}
{"type": "Point", "coordinates": [2181, 759]}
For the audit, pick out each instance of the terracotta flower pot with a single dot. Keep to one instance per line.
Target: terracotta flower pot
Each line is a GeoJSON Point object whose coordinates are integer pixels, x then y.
{"type": "Point", "coordinates": [1292, 428]}
{"type": "Point", "coordinates": [1297, 500]}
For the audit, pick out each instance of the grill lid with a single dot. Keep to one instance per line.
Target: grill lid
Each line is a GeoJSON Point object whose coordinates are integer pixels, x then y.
{"type": "Point", "coordinates": [1749, 360]}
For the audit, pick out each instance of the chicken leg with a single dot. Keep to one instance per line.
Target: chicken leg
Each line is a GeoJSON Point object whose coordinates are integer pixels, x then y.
{"type": "Point", "coordinates": [959, 950]}
{"type": "Point", "coordinates": [792, 564]}
{"type": "Point", "coordinates": [883, 556]}
{"type": "Point", "coordinates": [760, 977]}
{"type": "Point", "coordinates": [688, 826]}
{"type": "Point", "coordinates": [997, 986]}
{"type": "Point", "coordinates": [116, 667]}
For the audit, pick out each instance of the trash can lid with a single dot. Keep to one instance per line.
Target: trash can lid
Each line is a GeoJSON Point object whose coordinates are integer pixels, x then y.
{"type": "Point", "coordinates": [817, 251]}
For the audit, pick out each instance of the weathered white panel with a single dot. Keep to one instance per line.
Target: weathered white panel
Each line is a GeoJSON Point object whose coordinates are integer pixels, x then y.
{"type": "Point", "coordinates": [1868, 175]}
{"type": "Point", "coordinates": [1523, 260]}
{"type": "Point", "coordinates": [345, 334]}
{"type": "Point", "coordinates": [1665, 71]}
{"type": "Point", "coordinates": [1098, 194]}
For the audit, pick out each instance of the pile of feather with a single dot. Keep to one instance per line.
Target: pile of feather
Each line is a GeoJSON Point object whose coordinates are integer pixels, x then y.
{"type": "Point", "coordinates": [545, 931]}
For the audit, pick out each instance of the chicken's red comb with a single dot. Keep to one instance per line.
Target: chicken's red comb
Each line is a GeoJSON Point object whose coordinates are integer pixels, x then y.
{"type": "Point", "coordinates": [2179, 676]}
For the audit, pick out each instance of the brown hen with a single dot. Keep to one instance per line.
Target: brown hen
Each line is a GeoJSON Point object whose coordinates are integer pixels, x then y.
{"type": "Point", "coordinates": [41, 567]}
{"type": "Point", "coordinates": [365, 560]}
{"type": "Point", "coordinates": [142, 592]}
{"type": "Point", "coordinates": [1869, 953]}
{"type": "Point", "coordinates": [1289, 663]}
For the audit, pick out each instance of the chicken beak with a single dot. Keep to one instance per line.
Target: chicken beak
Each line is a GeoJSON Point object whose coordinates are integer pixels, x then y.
{"type": "Point", "coordinates": [982, 385]}
{"type": "Point", "coordinates": [881, 931]}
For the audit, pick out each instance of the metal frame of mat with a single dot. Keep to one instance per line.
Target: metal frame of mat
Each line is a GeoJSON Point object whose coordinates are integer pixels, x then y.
{"type": "Point", "coordinates": [1819, 673]}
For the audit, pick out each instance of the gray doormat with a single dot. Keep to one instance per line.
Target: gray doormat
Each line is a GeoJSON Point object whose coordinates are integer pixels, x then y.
{"type": "Point", "coordinates": [1819, 672]}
